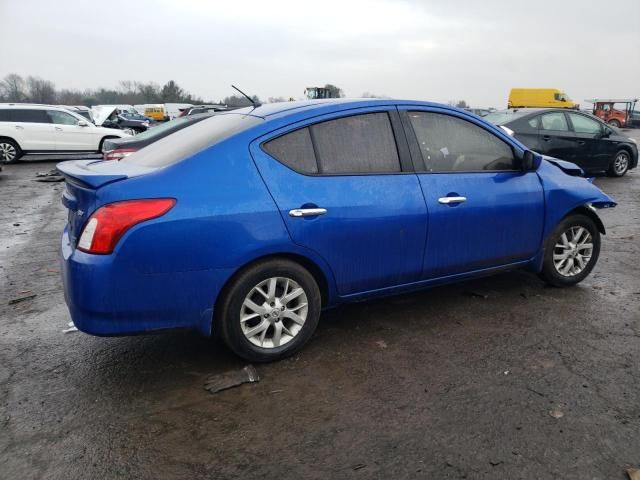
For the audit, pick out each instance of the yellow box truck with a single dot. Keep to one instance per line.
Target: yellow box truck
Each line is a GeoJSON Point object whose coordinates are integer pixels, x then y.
{"type": "Point", "coordinates": [539, 97]}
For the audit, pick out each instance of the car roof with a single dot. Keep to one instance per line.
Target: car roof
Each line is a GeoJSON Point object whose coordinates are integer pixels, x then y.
{"type": "Point", "coordinates": [33, 106]}
{"type": "Point", "coordinates": [274, 110]}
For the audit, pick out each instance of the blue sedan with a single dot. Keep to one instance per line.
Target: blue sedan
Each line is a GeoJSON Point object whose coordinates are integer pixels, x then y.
{"type": "Point", "coordinates": [246, 225]}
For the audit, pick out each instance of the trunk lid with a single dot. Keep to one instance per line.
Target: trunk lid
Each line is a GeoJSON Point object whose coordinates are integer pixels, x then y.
{"type": "Point", "coordinates": [83, 180]}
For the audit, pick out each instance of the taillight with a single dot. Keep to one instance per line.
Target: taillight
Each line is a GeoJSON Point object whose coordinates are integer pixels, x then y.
{"type": "Point", "coordinates": [110, 222]}
{"type": "Point", "coordinates": [118, 153]}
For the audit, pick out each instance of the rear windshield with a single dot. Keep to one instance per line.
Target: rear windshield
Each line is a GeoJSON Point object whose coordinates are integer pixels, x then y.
{"type": "Point", "coordinates": [502, 118]}
{"type": "Point", "coordinates": [166, 128]}
{"type": "Point", "coordinates": [189, 141]}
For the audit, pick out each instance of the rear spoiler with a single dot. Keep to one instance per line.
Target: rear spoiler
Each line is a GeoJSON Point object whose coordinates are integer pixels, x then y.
{"type": "Point", "coordinates": [97, 173]}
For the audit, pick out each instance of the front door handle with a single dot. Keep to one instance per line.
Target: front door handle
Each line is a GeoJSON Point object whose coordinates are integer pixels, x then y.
{"type": "Point", "coordinates": [580, 142]}
{"type": "Point", "coordinates": [452, 200]}
{"type": "Point", "coordinates": [19, 127]}
{"type": "Point", "coordinates": [546, 138]}
{"type": "Point", "coordinates": [58, 128]}
{"type": "Point", "coordinates": [307, 212]}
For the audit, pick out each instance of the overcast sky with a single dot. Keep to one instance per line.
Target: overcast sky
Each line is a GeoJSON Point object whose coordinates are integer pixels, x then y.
{"type": "Point", "coordinates": [431, 50]}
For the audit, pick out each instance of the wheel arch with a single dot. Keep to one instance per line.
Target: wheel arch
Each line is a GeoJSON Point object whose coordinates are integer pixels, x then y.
{"type": "Point", "coordinates": [588, 211]}
{"type": "Point", "coordinates": [6, 137]}
{"type": "Point", "coordinates": [106, 137]}
{"type": "Point", "coordinates": [319, 275]}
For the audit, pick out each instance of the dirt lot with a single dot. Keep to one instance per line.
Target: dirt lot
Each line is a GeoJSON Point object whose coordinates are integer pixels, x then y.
{"type": "Point", "coordinates": [497, 378]}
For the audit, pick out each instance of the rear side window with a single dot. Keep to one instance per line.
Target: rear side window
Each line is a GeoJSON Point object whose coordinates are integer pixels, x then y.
{"type": "Point", "coordinates": [29, 116]}
{"type": "Point", "coordinates": [554, 121]}
{"type": "Point", "coordinates": [451, 144]}
{"type": "Point", "coordinates": [356, 144]}
{"type": "Point", "coordinates": [349, 145]}
{"type": "Point", "coordinates": [295, 150]}
{"type": "Point", "coordinates": [582, 124]}
{"type": "Point", "coordinates": [534, 122]}
{"type": "Point", "coordinates": [5, 115]}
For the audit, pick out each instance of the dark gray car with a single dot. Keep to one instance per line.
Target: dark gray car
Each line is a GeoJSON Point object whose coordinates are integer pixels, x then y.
{"type": "Point", "coordinates": [573, 136]}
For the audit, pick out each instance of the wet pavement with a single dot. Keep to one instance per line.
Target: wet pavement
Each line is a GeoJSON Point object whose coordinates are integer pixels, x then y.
{"type": "Point", "coordinates": [497, 378]}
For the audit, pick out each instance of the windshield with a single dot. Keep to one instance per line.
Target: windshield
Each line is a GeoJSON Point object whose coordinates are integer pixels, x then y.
{"type": "Point", "coordinates": [502, 118]}
{"type": "Point", "coordinates": [189, 141]}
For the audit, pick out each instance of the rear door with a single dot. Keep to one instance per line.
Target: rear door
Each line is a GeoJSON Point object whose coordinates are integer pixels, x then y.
{"type": "Point", "coordinates": [555, 137]}
{"type": "Point", "coordinates": [69, 135]}
{"type": "Point", "coordinates": [347, 192]}
{"type": "Point", "coordinates": [32, 129]}
{"type": "Point", "coordinates": [483, 212]}
{"type": "Point", "coordinates": [593, 151]}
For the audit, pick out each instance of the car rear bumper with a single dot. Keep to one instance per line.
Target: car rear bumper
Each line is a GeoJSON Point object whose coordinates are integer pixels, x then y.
{"type": "Point", "coordinates": [107, 298]}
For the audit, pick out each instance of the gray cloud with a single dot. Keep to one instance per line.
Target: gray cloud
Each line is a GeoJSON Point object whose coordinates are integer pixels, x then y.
{"type": "Point", "coordinates": [436, 50]}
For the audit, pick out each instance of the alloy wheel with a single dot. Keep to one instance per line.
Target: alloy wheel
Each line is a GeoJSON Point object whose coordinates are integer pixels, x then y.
{"type": "Point", "coordinates": [621, 163]}
{"type": "Point", "coordinates": [274, 312]}
{"type": "Point", "coordinates": [7, 152]}
{"type": "Point", "coordinates": [573, 251]}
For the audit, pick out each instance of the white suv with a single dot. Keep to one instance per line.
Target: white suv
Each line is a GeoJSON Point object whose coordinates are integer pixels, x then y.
{"type": "Point", "coordinates": [26, 128]}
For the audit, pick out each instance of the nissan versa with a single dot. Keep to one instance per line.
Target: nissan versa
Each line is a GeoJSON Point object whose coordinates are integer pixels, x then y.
{"type": "Point", "coordinates": [247, 224]}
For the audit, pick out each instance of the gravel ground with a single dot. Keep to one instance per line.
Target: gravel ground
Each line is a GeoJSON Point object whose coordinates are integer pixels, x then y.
{"type": "Point", "coordinates": [496, 378]}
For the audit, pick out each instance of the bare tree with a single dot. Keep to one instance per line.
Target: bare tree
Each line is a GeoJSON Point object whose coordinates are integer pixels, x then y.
{"type": "Point", "coordinates": [41, 90]}
{"type": "Point", "coordinates": [13, 88]}
{"type": "Point", "coordinates": [276, 99]}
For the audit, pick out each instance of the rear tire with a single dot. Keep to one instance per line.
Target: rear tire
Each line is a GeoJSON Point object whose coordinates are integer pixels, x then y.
{"type": "Point", "coordinates": [571, 251]}
{"type": "Point", "coordinates": [619, 164]}
{"type": "Point", "coordinates": [269, 311]}
{"type": "Point", "coordinates": [10, 152]}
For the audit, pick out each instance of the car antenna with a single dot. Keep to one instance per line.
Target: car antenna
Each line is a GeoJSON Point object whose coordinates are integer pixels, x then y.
{"type": "Point", "coordinates": [253, 102]}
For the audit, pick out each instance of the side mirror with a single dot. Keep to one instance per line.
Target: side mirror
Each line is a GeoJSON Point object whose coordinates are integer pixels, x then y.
{"type": "Point", "coordinates": [528, 161]}
{"type": "Point", "coordinates": [82, 123]}
{"type": "Point", "coordinates": [607, 133]}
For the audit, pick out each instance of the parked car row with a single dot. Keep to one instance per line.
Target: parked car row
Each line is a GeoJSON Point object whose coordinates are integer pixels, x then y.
{"type": "Point", "coordinates": [26, 129]}
{"type": "Point", "coordinates": [246, 224]}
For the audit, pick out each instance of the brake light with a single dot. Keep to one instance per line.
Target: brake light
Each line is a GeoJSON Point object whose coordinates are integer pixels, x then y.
{"type": "Point", "coordinates": [109, 223]}
{"type": "Point", "coordinates": [118, 153]}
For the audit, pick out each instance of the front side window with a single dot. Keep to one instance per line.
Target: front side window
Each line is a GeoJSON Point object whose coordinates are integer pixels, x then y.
{"type": "Point", "coordinates": [30, 116]}
{"type": "Point", "coordinates": [5, 115]}
{"type": "Point", "coordinates": [450, 144]}
{"type": "Point", "coordinates": [554, 121]}
{"type": "Point", "coordinates": [582, 124]}
{"type": "Point", "coordinates": [61, 118]}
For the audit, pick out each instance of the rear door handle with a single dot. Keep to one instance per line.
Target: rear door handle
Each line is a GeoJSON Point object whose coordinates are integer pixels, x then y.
{"type": "Point", "coordinates": [580, 142]}
{"type": "Point", "coordinates": [307, 212]}
{"type": "Point", "coordinates": [546, 138]}
{"type": "Point", "coordinates": [18, 127]}
{"type": "Point", "coordinates": [58, 128]}
{"type": "Point", "coordinates": [451, 200]}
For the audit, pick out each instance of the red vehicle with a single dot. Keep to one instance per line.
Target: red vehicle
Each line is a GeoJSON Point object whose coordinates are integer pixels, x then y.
{"type": "Point", "coordinates": [616, 117]}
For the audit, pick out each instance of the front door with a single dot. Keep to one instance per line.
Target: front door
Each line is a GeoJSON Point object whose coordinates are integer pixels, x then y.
{"type": "Point", "coordinates": [593, 151]}
{"type": "Point", "coordinates": [483, 212]}
{"type": "Point", "coordinates": [343, 194]}
{"type": "Point", "coordinates": [69, 135]}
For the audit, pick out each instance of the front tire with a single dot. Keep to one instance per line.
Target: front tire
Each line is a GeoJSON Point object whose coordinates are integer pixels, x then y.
{"type": "Point", "coordinates": [571, 251]}
{"type": "Point", "coordinates": [10, 152]}
{"type": "Point", "coordinates": [270, 310]}
{"type": "Point", "coordinates": [620, 164]}
{"type": "Point", "coordinates": [614, 123]}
